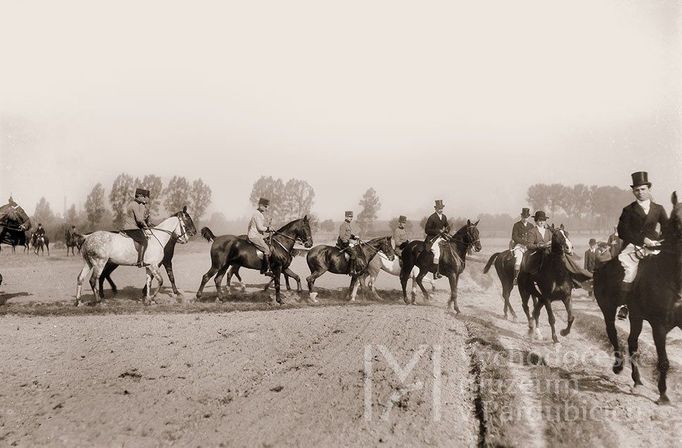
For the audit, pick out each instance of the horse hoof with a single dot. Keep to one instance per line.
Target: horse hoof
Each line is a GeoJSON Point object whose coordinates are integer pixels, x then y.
{"type": "Point", "coordinates": [313, 296]}
{"type": "Point", "coordinates": [564, 333]}
{"type": "Point", "coordinates": [617, 368]}
{"type": "Point", "coordinates": [663, 400]}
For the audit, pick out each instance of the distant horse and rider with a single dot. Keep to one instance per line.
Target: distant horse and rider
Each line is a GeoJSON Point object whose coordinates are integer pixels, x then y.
{"type": "Point", "coordinates": [14, 223]}
{"type": "Point", "coordinates": [73, 241]}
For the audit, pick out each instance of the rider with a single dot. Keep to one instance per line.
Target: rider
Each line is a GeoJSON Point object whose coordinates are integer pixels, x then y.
{"type": "Point", "coordinates": [137, 223]}
{"type": "Point", "coordinates": [539, 236]}
{"type": "Point", "coordinates": [436, 228]}
{"type": "Point", "coordinates": [343, 242]}
{"type": "Point", "coordinates": [400, 236]}
{"type": "Point", "coordinates": [257, 228]}
{"type": "Point", "coordinates": [72, 232]}
{"type": "Point", "coordinates": [519, 241]}
{"type": "Point", "coordinates": [39, 233]}
{"type": "Point", "coordinates": [637, 229]}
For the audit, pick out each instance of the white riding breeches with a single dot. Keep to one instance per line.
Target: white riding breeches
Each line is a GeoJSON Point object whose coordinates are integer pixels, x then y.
{"type": "Point", "coordinates": [518, 252]}
{"type": "Point", "coordinates": [629, 259]}
{"type": "Point", "coordinates": [435, 248]}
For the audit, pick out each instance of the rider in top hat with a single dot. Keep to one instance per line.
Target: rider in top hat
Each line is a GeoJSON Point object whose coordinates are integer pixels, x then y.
{"type": "Point", "coordinates": [343, 242]}
{"type": "Point", "coordinates": [519, 241]}
{"type": "Point", "coordinates": [436, 227]}
{"type": "Point", "coordinates": [257, 228]}
{"type": "Point", "coordinates": [400, 235]}
{"type": "Point", "coordinates": [637, 228]}
{"type": "Point", "coordinates": [137, 218]}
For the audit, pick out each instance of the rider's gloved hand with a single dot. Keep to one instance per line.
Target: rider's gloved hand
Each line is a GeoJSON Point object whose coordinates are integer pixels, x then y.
{"type": "Point", "coordinates": [650, 243]}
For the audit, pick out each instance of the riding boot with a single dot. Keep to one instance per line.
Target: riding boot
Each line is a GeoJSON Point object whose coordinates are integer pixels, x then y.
{"type": "Point", "coordinates": [268, 269]}
{"type": "Point", "coordinates": [624, 292]}
{"type": "Point", "coordinates": [437, 274]}
{"type": "Point", "coordinates": [140, 257]}
{"type": "Point", "coordinates": [516, 275]}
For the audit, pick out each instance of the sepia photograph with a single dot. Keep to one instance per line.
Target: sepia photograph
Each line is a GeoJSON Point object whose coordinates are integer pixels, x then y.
{"type": "Point", "coordinates": [340, 224]}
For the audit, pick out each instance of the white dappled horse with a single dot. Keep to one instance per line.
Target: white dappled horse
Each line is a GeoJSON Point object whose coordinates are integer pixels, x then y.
{"type": "Point", "coordinates": [102, 246]}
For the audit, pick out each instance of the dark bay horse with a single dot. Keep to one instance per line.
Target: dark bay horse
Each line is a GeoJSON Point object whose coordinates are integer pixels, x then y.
{"type": "Point", "coordinates": [167, 263]}
{"type": "Point", "coordinates": [40, 243]}
{"type": "Point", "coordinates": [451, 263]}
{"type": "Point", "coordinates": [504, 266]}
{"type": "Point", "coordinates": [325, 258]}
{"type": "Point", "coordinates": [14, 223]}
{"type": "Point", "coordinates": [73, 241]}
{"type": "Point", "coordinates": [654, 298]}
{"type": "Point", "coordinates": [552, 281]}
{"type": "Point", "coordinates": [229, 250]}
{"type": "Point", "coordinates": [15, 238]}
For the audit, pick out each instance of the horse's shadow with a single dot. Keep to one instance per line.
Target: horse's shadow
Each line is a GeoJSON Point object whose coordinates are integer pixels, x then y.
{"type": "Point", "coordinates": [4, 297]}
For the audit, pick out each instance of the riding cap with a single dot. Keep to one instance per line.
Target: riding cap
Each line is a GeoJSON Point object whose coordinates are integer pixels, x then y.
{"type": "Point", "coordinates": [439, 204]}
{"type": "Point", "coordinates": [142, 191]}
{"type": "Point", "coordinates": [402, 218]}
{"type": "Point", "coordinates": [540, 216]}
{"type": "Point", "coordinates": [525, 212]}
{"type": "Point", "coordinates": [349, 213]}
{"type": "Point", "coordinates": [264, 202]}
{"type": "Point", "coordinates": [592, 241]}
{"type": "Point", "coordinates": [640, 178]}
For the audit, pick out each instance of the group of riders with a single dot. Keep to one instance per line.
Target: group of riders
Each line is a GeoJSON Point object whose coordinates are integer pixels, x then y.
{"type": "Point", "coordinates": [638, 228]}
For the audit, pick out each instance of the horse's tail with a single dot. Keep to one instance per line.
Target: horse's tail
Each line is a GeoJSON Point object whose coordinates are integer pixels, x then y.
{"type": "Point", "coordinates": [206, 233]}
{"type": "Point", "coordinates": [491, 261]}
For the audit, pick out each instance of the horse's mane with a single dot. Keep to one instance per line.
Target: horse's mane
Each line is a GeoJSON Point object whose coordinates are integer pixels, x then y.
{"type": "Point", "coordinates": [289, 224]}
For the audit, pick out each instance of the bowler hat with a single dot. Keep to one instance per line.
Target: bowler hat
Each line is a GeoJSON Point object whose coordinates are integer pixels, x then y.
{"type": "Point", "coordinates": [349, 213]}
{"type": "Point", "coordinates": [640, 178]}
{"type": "Point", "coordinates": [402, 218]}
{"type": "Point", "coordinates": [592, 241]}
{"type": "Point", "coordinates": [525, 212]}
{"type": "Point", "coordinates": [263, 201]}
{"type": "Point", "coordinates": [540, 216]}
{"type": "Point", "coordinates": [439, 204]}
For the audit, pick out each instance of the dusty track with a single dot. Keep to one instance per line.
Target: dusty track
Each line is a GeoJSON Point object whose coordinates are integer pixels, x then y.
{"type": "Point", "coordinates": [247, 373]}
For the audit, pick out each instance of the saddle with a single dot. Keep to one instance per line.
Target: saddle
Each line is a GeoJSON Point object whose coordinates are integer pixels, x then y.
{"type": "Point", "coordinates": [532, 261]}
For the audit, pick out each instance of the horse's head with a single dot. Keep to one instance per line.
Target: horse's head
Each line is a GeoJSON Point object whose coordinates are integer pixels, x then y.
{"type": "Point", "coordinates": [386, 247]}
{"type": "Point", "coordinates": [675, 223]}
{"type": "Point", "coordinates": [472, 238]}
{"type": "Point", "coordinates": [560, 240]}
{"type": "Point", "coordinates": [187, 228]}
{"type": "Point", "coordinates": [303, 232]}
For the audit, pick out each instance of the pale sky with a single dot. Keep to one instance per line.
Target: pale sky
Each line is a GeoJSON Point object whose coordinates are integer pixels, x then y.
{"type": "Point", "coordinates": [469, 102]}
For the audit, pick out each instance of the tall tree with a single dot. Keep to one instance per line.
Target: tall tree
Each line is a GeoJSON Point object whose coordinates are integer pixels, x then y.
{"type": "Point", "coordinates": [393, 224]}
{"type": "Point", "coordinates": [94, 205]}
{"type": "Point", "coordinates": [272, 189]}
{"type": "Point", "coordinates": [200, 198]}
{"type": "Point", "coordinates": [43, 213]}
{"type": "Point", "coordinates": [298, 199]}
{"type": "Point", "coordinates": [122, 191]}
{"type": "Point", "coordinates": [370, 207]}
{"type": "Point", "coordinates": [176, 194]}
{"type": "Point", "coordinates": [71, 215]}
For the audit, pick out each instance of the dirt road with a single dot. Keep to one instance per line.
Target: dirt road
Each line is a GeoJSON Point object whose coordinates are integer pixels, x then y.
{"type": "Point", "coordinates": [245, 373]}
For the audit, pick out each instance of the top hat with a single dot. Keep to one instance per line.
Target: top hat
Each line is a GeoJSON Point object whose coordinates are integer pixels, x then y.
{"type": "Point", "coordinates": [592, 241]}
{"type": "Point", "coordinates": [402, 218]}
{"type": "Point", "coordinates": [349, 213]}
{"type": "Point", "coordinates": [264, 202]}
{"type": "Point", "coordinates": [141, 191]}
{"type": "Point", "coordinates": [640, 178]}
{"type": "Point", "coordinates": [525, 212]}
{"type": "Point", "coordinates": [439, 204]}
{"type": "Point", "coordinates": [540, 216]}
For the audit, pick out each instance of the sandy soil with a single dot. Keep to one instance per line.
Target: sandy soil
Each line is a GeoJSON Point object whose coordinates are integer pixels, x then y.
{"type": "Point", "coordinates": [247, 373]}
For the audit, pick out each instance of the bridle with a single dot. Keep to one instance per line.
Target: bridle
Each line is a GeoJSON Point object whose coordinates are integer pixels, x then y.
{"type": "Point", "coordinates": [183, 231]}
{"type": "Point", "coordinates": [290, 238]}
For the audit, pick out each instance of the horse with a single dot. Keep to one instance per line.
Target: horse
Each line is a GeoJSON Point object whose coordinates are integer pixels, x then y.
{"type": "Point", "coordinates": [381, 263]}
{"type": "Point", "coordinates": [552, 281]}
{"type": "Point", "coordinates": [654, 298]}
{"type": "Point", "coordinates": [39, 244]}
{"type": "Point", "coordinates": [226, 241]}
{"type": "Point", "coordinates": [504, 266]}
{"type": "Point", "coordinates": [325, 258]}
{"type": "Point", "coordinates": [167, 263]}
{"type": "Point", "coordinates": [451, 263]}
{"type": "Point", "coordinates": [229, 250]}
{"type": "Point", "coordinates": [103, 246]}
{"type": "Point", "coordinates": [14, 223]}
{"type": "Point", "coordinates": [73, 241]}
{"type": "Point", "coordinates": [15, 238]}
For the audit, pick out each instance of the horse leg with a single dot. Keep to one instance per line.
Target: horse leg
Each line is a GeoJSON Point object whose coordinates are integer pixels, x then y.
{"type": "Point", "coordinates": [81, 278]}
{"type": "Point", "coordinates": [371, 282]}
{"type": "Point", "coordinates": [453, 278]}
{"type": "Point", "coordinates": [612, 334]}
{"type": "Point", "coordinates": [526, 309]}
{"type": "Point", "coordinates": [218, 281]}
{"type": "Point", "coordinates": [98, 267]}
{"type": "Point", "coordinates": [289, 273]}
{"type": "Point", "coordinates": [159, 278]}
{"type": "Point", "coordinates": [533, 326]}
{"type": "Point", "coordinates": [552, 320]}
{"type": "Point", "coordinates": [205, 278]}
{"type": "Point", "coordinates": [663, 364]}
{"type": "Point", "coordinates": [310, 280]}
{"type": "Point", "coordinates": [568, 303]}
{"type": "Point", "coordinates": [353, 289]}
{"type": "Point", "coordinates": [277, 274]}
{"type": "Point", "coordinates": [286, 280]}
{"type": "Point", "coordinates": [169, 270]}
{"type": "Point", "coordinates": [633, 346]}
{"type": "Point", "coordinates": [420, 277]}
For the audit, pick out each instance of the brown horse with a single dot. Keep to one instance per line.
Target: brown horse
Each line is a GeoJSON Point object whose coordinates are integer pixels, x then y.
{"type": "Point", "coordinates": [654, 298]}
{"type": "Point", "coordinates": [504, 266]}
{"type": "Point", "coordinates": [451, 263]}
{"type": "Point", "coordinates": [73, 241]}
{"type": "Point", "coordinates": [325, 258]}
{"type": "Point", "coordinates": [229, 251]}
